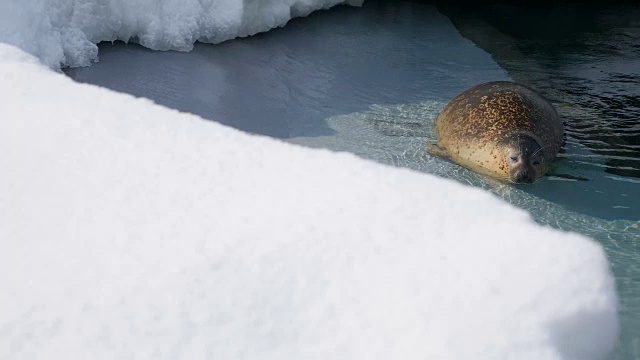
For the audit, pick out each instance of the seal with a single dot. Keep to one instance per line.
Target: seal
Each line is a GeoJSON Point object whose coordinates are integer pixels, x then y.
{"type": "Point", "coordinates": [500, 129]}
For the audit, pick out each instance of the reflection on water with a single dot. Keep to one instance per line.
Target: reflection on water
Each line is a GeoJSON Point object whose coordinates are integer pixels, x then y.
{"type": "Point", "coordinates": [371, 81]}
{"type": "Point", "coordinates": [284, 83]}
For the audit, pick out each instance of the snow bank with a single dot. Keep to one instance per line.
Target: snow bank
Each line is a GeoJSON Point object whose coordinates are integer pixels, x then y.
{"type": "Point", "coordinates": [133, 231]}
{"type": "Point", "coordinates": [64, 32]}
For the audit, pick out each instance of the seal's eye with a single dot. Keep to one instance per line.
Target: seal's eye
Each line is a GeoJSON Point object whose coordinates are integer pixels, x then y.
{"type": "Point", "coordinates": [536, 162]}
{"type": "Point", "coordinates": [513, 158]}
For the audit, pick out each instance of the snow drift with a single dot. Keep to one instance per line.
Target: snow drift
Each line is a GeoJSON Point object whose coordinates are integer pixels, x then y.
{"type": "Point", "coordinates": [133, 231]}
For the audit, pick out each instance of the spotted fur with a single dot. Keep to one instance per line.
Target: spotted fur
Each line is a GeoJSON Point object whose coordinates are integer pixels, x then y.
{"type": "Point", "coordinates": [471, 128]}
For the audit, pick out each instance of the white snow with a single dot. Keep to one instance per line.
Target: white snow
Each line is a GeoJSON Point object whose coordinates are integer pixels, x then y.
{"type": "Point", "coordinates": [131, 231]}
{"type": "Point", "coordinates": [64, 32]}
{"type": "Point", "coordinates": [128, 230]}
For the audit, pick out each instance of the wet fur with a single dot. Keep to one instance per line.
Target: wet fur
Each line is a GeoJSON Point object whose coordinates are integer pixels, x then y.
{"type": "Point", "coordinates": [471, 130]}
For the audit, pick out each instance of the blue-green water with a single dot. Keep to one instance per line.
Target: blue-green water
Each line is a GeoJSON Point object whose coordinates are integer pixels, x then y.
{"type": "Point", "coordinates": [371, 80]}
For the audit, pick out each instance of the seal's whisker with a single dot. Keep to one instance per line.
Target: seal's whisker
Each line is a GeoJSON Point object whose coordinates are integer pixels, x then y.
{"type": "Point", "coordinates": [542, 148]}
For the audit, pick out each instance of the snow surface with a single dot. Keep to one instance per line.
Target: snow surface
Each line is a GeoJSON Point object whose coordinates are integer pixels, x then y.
{"type": "Point", "coordinates": [64, 32]}
{"type": "Point", "coordinates": [130, 230]}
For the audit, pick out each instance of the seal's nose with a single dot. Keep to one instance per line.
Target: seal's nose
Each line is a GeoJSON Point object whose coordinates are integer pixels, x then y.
{"type": "Point", "coordinates": [522, 176]}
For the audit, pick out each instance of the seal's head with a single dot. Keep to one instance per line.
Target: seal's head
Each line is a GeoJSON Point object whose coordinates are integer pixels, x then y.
{"type": "Point", "coordinates": [524, 158]}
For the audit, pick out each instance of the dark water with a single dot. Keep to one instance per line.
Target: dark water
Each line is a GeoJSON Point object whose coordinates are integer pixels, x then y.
{"type": "Point", "coordinates": [371, 80]}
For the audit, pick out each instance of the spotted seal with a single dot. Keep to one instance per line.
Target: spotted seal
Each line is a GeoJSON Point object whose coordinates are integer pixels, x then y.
{"type": "Point", "coordinates": [500, 129]}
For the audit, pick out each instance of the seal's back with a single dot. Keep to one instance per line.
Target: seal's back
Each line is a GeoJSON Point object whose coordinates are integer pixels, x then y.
{"type": "Point", "coordinates": [472, 125]}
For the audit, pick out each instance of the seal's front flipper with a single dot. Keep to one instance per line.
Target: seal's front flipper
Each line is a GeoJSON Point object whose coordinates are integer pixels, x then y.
{"type": "Point", "coordinates": [436, 150]}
